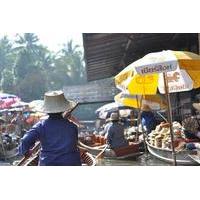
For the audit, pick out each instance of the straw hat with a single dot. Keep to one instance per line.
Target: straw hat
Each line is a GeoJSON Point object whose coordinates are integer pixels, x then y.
{"type": "Point", "coordinates": [55, 102]}
{"type": "Point", "coordinates": [196, 106]}
{"type": "Point", "coordinates": [145, 107]}
{"type": "Point", "coordinates": [114, 117]}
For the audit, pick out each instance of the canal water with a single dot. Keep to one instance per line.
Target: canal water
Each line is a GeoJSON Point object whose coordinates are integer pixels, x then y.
{"type": "Point", "coordinates": [144, 160]}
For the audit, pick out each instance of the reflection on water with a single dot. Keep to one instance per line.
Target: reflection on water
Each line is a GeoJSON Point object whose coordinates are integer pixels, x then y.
{"type": "Point", "coordinates": [141, 161]}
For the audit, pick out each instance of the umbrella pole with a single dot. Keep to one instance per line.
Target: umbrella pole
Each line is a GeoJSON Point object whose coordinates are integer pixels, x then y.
{"type": "Point", "coordinates": [169, 117]}
{"type": "Point", "coordinates": [139, 120]}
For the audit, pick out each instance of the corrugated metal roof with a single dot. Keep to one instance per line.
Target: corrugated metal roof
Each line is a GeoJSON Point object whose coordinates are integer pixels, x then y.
{"type": "Point", "coordinates": [103, 54]}
{"type": "Point", "coordinates": [108, 53]}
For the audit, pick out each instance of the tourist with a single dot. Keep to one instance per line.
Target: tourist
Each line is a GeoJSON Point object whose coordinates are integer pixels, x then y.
{"type": "Point", "coordinates": [58, 136]}
{"type": "Point", "coordinates": [115, 136]}
{"type": "Point", "coordinates": [147, 118]}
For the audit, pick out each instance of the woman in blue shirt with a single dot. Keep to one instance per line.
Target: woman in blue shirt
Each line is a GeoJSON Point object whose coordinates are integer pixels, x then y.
{"type": "Point", "coordinates": [58, 136]}
{"type": "Point", "coordinates": [148, 118]}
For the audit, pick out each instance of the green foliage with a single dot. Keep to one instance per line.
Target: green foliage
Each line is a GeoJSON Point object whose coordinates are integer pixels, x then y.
{"type": "Point", "coordinates": [28, 68]}
{"type": "Point", "coordinates": [6, 55]}
{"type": "Point", "coordinates": [7, 80]}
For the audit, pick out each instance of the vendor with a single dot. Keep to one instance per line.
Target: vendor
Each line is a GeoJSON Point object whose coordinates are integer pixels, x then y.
{"type": "Point", "coordinates": [147, 118]}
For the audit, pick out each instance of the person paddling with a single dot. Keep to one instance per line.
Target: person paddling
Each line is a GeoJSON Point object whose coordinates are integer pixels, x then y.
{"type": "Point", "coordinates": [58, 136]}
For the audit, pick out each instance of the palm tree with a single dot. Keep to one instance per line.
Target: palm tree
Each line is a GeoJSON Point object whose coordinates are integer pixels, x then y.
{"type": "Point", "coordinates": [74, 59]}
{"type": "Point", "coordinates": [27, 51]}
{"type": "Point", "coordinates": [27, 42]}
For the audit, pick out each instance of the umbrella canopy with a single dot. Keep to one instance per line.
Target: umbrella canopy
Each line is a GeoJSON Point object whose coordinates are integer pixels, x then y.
{"type": "Point", "coordinates": [19, 104]}
{"type": "Point", "coordinates": [6, 100]}
{"type": "Point", "coordinates": [104, 110]}
{"type": "Point", "coordinates": [36, 104]}
{"type": "Point", "coordinates": [6, 96]}
{"type": "Point", "coordinates": [155, 102]}
{"type": "Point", "coordinates": [112, 107]}
{"type": "Point", "coordinates": [144, 75]}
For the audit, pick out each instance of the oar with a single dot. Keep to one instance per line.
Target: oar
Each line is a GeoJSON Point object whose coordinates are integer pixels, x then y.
{"type": "Point", "coordinates": [25, 158]}
{"type": "Point", "coordinates": [101, 153]}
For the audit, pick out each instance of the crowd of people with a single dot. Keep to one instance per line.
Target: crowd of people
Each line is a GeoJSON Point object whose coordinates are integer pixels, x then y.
{"type": "Point", "coordinates": [58, 133]}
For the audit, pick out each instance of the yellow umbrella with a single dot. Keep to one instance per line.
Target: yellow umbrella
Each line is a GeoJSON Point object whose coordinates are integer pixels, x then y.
{"type": "Point", "coordinates": [142, 76]}
{"type": "Point", "coordinates": [155, 102]}
{"type": "Point", "coordinates": [168, 71]}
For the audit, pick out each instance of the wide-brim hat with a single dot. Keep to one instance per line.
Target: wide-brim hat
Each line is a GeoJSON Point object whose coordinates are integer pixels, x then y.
{"type": "Point", "coordinates": [145, 107]}
{"type": "Point", "coordinates": [196, 106]}
{"type": "Point", "coordinates": [55, 102]}
{"type": "Point", "coordinates": [114, 117]}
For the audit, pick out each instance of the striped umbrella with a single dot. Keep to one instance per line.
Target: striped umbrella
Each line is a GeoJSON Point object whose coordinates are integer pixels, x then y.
{"type": "Point", "coordinates": [155, 102]}
{"type": "Point", "coordinates": [144, 76]}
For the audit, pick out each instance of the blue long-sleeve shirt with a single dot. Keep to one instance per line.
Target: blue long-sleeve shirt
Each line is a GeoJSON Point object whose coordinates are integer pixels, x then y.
{"type": "Point", "coordinates": [58, 138]}
{"type": "Point", "coordinates": [115, 136]}
{"type": "Point", "coordinates": [148, 120]}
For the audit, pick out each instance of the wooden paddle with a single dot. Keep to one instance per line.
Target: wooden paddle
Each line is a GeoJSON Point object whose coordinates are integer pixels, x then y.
{"type": "Point", "coordinates": [25, 158]}
{"type": "Point", "coordinates": [100, 155]}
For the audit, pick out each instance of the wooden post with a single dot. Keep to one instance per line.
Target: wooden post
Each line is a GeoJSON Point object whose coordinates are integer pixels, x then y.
{"type": "Point", "coordinates": [169, 117]}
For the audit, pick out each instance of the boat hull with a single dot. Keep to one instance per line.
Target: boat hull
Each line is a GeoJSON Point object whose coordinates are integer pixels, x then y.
{"type": "Point", "coordinates": [110, 154]}
{"type": "Point", "coordinates": [182, 157]}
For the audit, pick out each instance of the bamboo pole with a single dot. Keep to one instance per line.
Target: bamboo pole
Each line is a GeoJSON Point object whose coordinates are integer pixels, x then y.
{"type": "Point", "coordinates": [169, 117]}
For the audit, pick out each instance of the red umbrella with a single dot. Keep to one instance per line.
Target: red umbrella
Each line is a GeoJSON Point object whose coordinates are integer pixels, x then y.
{"type": "Point", "coordinates": [6, 100]}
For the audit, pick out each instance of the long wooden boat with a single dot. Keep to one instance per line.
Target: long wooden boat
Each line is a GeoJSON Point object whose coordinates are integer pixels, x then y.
{"type": "Point", "coordinates": [182, 157]}
{"type": "Point", "coordinates": [130, 152]}
{"type": "Point", "coordinates": [86, 158]}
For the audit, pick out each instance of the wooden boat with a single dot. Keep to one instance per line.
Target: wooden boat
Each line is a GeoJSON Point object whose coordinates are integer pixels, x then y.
{"type": "Point", "coordinates": [132, 151]}
{"type": "Point", "coordinates": [8, 150]}
{"type": "Point", "coordinates": [182, 157]}
{"type": "Point", "coordinates": [7, 154]}
{"type": "Point", "coordinates": [195, 157]}
{"type": "Point", "coordinates": [86, 158]}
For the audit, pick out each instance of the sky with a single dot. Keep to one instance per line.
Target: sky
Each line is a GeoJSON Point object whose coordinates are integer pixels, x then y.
{"type": "Point", "coordinates": [53, 41]}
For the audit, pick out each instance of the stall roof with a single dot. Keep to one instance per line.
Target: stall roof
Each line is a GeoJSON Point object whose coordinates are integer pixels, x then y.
{"type": "Point", "coordinates": [108, 53]}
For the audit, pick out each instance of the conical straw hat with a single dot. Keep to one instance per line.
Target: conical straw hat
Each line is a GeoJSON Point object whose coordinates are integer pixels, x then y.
{"type": "Point", "coordinates": [145, 107]}
{"type": "Point", "coordinates": [55, 102]}
{"type": "Point", "coordinates": [196, 106]}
